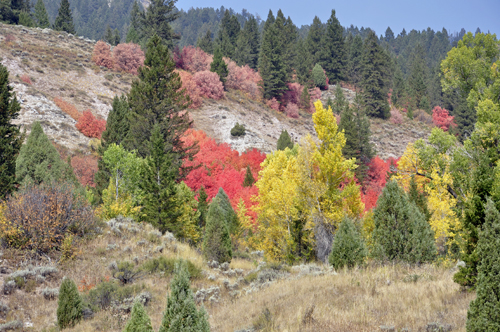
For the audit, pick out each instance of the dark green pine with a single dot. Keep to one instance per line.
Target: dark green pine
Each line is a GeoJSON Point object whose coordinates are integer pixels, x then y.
{"type": "Point", "coordinates": [303, 65]}
{"type": "Point", "coordinates": [70, 304]}
{"type": "Point", "coordinates": [355, 59]}
{"type": "Point", "coordinates": [139, 320]}
{"type": "Point", "coordinates": [340, 103]}
{"type": "Point", "coordinates": [313, 41]}
{"type": "Point", "coordinates": [219, 66]}
{"type": "Point", "coordinates": [156, 20]}
{"type": "Point", "coordinates": [11, 138]}
{"type": "Point", "coordinates": [284, 141]}
{"type": "Point", "coordinates": [332, 53]}
{"type": "Point", "coordinates": [206, 43]}
{"type": "Point", "coordinates": [202, 207]}
{"type": "Point", "coordinates": [116, 37]}
{"type": "Point", "coordinates": [108, 35]}
{"type": "Point", "coordinates": [249, 179]}
{"type": "Point", "coordinates": [64, 19]}
{"type": "Point", "coordinates": [305, 99]}
{"type": "Point", "coordinates": [348, 249]}
{"type": "Point", "coordinates": [417, 197]}
{"type": "Point", "coordinates": [417, 81]}
{"type": "Point", "coordinates": [217, 241]}
{"type": "Point", "coordinates": [228, 34]}
{"type": "Point", "coordinates": [41, 16]}
{"type": "Point", "coordinates": [229, 214]}
{"type": "Point", "coordinates": [133, 33]}
{"type": "Point", "coordinates": [248, 44]}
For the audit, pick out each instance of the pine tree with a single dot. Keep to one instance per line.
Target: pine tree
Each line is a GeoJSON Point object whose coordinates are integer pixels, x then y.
{"type": "Point", "coordinates": [340, 103]}
{"type": "Point", "coordinates": [354, 63]}
{"type": "Point", "coordinates": [485, 309]}
{"type": "Point", "coordinates": [181, 314]}
{"type": "Point", "coordinates": [69, 309]}
{"type": "Point", "coordinates": [318, 76]}
{"type": "Point", "coordinates": [219, 66]}
{"type": "Point", "coordinates": [217, 241]}
{"type": "Point", "coordinates": [305, 99]}
{"type": "Point", "coordinates": [41, 16]}
{"type": "Point", "coordinates": [64, 19]}
{"type": "Point", "coordinates": [26, 19]}
{"type": "Point", "coordinates": [419, 199]}
{"type": "Point", "coordinates": [313, 41]}
{"type": "Point", "coordinates": [303, 65]}
{"type": "Point", "coordinates": [227, 37]}
{"type": "Point", "coordinates": [108, 35]}
{"type": "Point", "coordinates": [158, 184]}
{"type": "Point", "coordinates": [249, 180]}
{"type": "Point", "coordinates": [230, 215]}
{"type": "Point", "coordinates": [374, 78]}
{"type": "Point", "coordinates": [417, 81]}
{"type": "Point", "coordinates": [202, 207]}
{"type": "Point", "coordinates": [10, 135]}
{"type": "Point", "coordinates": [348, 249]}
{"type": "Point", "coordinates": [132, 33]}
{"type": "Point", "coordinates": [247, 45]}
{"type": "Point", "coordinates": [116, 37]}
{"type": "Point", "coordinates": [332, 53]}
{"type": "Point", "coordinates": [284, 141]}
{"type": "Point", "coordinates": [206, 43]}
{"type": "Point", "coordinates": [139, 320]}
{"type": "Point", "coordinates": [155, 21]}
{"type": "Point", "coordinates": [401, 232]}
{"type": "Point", "coordinates": [157, 98]}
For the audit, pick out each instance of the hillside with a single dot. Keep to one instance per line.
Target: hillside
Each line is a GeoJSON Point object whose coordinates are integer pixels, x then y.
{"type": "Point", "coordinates": [59, 66]}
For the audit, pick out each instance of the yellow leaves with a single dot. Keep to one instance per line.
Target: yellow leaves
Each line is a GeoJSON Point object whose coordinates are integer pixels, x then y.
{"type": "Point", "coordinates": [113, 206]}
{"type": "Point", "coordinates": [9, 232]}
{"type": "Point", "coordinates": [408, 166]}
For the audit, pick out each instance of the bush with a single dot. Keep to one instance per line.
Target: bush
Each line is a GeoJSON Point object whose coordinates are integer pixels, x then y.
{"type": "Point", "coordinates": [67, 108]}
{"type": "Point", "coordinates": [128, 57]}
{"type": "Point", "coordinates": [238, 130]}
{"type": "Point", "coordinates": [108, 291]}
{"type": "Point", "coordinates": [194, 59]}
{"type": "Point", "coordinates": [101, 55]}
{"type": "Point", "coordinates": [38, 218]}
{"type": "Point", "coordinates": [292, 110]}
{"type": "Point", "coordinates": [348, 249]}
{"type": "Point", "coordinates": [166, 265]}
{"type": "Point", "coordinates": [442, 119]}
{"type": "Point", "coordinates": [69, 309]}
{"type": "Point", "coordinates": [84, 168]}
{"type": "Point", "coordinates": [396, 116]}
{"type": "Point", "coordinates": [243, 78]}
{"type": "Point", "coordinates": [209, 84]}
{"type": "Point", "coordinates": [192, 89]}
{"type": "Point", "coordinates": [26, 79]}
{"type": "Point", "coordinates": [318, 76]}
{"type": "Point", "coordinates": [126, 272]}
{"type": "Point", "coordinates": [139, 320]}
{"type": "Point", "coordinates": [273, 104]}
{"type": "Point", "coordinates": [90, 126]}
{"type": "Point", "coordinates": [423, 116]}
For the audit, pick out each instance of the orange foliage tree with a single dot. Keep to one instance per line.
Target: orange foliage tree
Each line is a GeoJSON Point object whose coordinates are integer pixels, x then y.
{"type": "Point", "coordinates": [209, 84]}
{"type": "Point", "coordinates": [128, 57]}
{"type": "Point", "coordinates": [191, 87]}
{"type": "Point", "coordinates": [90, 126]}
{"type": "Point", "coordinates": [442, 118]}
{"type": "Point", "coordinates": [67, 108]}
{"type": "Point", "coordinates": [85, 167]}
{"type": "Point", "coordinates": [101, 55]}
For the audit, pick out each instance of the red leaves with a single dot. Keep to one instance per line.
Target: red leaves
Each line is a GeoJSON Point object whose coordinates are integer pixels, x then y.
{"type": "Point", "coordinates": [101, 55]}
{"type": "Point", "coordinates": [442, 119]}
{"type": "Point", "coordinates": [90, 126]}
{"type": "Point", "coordinates": [191, 87]}
{"type": "Point", "coordinates": [396, 116]}
{"type": "Point", "coordinates": [85, 167]}
{"type": "Point", "coordinates": [193, 59]}
{"type": "Point", "coordinates": [243, 78]}
{"type": "Point", "coordinates": [375, 180]}
{"type": "Point", "coordinates": [292, 110]}
{"type": "Point", "coordinates": [209, 84]}
{"type": "Point", "coordinates": [67, 108]}
{"type": "Point", "coordinates": [128, 57]}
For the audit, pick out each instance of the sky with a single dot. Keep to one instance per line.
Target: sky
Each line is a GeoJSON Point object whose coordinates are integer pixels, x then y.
{"type": "Point", "coordinates": [378, 15]}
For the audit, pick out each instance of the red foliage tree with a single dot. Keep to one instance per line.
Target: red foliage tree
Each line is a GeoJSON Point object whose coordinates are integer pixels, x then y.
{"type": "Point", "coordinates": [90, 126]}
{"type": "Point", "coordinates": [376, 180]}
{"type": "Point", "coordinates": [128, 57]}
{"type": "Point", "coordinates": [293, 94]}
{"type": "Point", "coordinates": [209, 84]}
{"type": "Point", "coordinates": [396, 116]}
{"type": "Point", "coordinates": [67, 108]}
{"type": "Point", "coordinates": [191, 87]}
{"type": "Point", "coordinates": [442, 118]}
{"type": "Point", "coordinates": [292, 110]}
{"type": "Point", "coordinates": [101, 55]}
{"type": "Point", "coordinates": [273, 104]}
{"type": "Point", "coordinates": [194, 59]}
{"type": "Point", "coordinates": [85, 167]}
{"type": "Point", "coordinates": [243, 78]}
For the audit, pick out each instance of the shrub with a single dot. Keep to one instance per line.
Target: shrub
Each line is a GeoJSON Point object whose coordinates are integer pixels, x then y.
{"type": "Point", "coordinates": [292, 110]}
{"type": "Point", "coordinates": [26, 79]}
{"type": "Point", "coordinates": [128, 57]}
{"type": "Point", "coordinates": [217, 242]}
{"type": "Point", "coordinates": [69, 309]}
{"type": "Point", "coordinates": [348, 249]}
{"type": "Point", "coordinates": [90, 126]}
{"type": "Point", "coordinates": [126, 272]}
{"type": "Point", "coordinates": [191, 87]}
{"type": "Point", "coordinates": [292, 95]}
{"type": "Point", "coordinates": [238, 130]}
{"type": "Point", "coordinates": [209, 84]}
{"type": "Point", "coordinates": [273, 104]}
{"type": "Point", "coordinates": [39, 217]}
{"type": "Point", "coordinates": [108, 291]}
{"type": "Point", "coordinates": [67, 108]}
{"type": "Point", "coordinates": [442, 119]}
{"type": "Point", "coordinates": [85, 167]}
{"type": "Point", "coordinates": [166, 265]}
{"type": "Point", "coordinates": [423, 116]}
{"type": "Point", "coordinates": [194, 59]}
{"type": "Point", "coordinates": [243, 78]}
{"type": "Point", "coordinates": [101, 55]}
{"type": "Point", "coordinates": [396, 116]}
{"type": "Point", "coordinates": [139, 320]}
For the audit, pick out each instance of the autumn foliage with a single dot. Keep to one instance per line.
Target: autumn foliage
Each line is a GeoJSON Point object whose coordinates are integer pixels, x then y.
{"type": "Point", "coordinates": [26, 79]}
{"type": "Point", "coordinates": [396, 116]}
{"type": "Point", "coordinates": [191, 88]}
{"type": "Point", "coordinates": [243, 78]}
{"type": "Point", "coordinates": [101, 55]}
{"type": "Point", "coordinates": [85, 167]}
{"type": "Point", "coordinates": [67, 108]}
{"type": "Point", "coordinates": [192, 59]}
{"type": "Point", "coordinates": [90, 126]}
{"type": "Point", "coordinates": [209, 84]}
{"type": "Point", "coordinates": [376, 180]}
{"type": "Point", "coordinates": [442, 118]}
{"type": "Point", "coordinates": [128, 57]}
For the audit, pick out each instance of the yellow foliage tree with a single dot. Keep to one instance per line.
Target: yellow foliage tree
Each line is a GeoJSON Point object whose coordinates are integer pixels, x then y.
{"type": "Point", "coordinates": [116, 202]}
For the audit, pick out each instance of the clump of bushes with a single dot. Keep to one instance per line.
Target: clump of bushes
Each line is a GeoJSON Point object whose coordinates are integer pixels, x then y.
{"type": "Point", "coordinates": [125, 272]}
{"type": "Point", "coordinates": [125, 57]}
{"type": "Point", "coordinates": [90, 126]}
{"type": "Point", "coordinates": [107, 292]}
{"type": "Point", "coordinates": [167, 266]}
{"type": "Point", "coordinates": [238, 130]}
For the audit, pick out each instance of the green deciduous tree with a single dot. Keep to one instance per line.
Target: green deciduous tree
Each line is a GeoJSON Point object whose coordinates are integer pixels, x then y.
{"type": "Point", "coordinates": [348, 248]}
{"type": "Point", "coordinates": [284, 141]}
{"type": "Point", "coordinates": [64, 19]}
{"type": "Point", "coordinates": [139, 320]}
{"type": "Point", "coordinates": [69, 308]}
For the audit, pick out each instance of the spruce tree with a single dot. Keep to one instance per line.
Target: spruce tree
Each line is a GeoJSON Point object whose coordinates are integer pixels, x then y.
{"type": "Point", "coordinates": [247, 45]}
{"type": "Point", "coordinates": [417, 80]}
{"type": "Point", "coordinates": [69, 308]}
{"type": "Point", "coordinates": [219, 66]}
{"type": "Point", "coordinates": [354, 62]}
{"type": "Point", "coordinates": [340, 103]}
{"type": "Point", "coordinates": [108, 35]}
{"type": "Point", "coordinates": [348, 249]}
{"type": "Point", "coordinates": [484, 311]}
{"type": "Point", "coordinates": [318, 76]}
{"type": "Point", "coordinates": [217, 241]}
{"type": "Point", "coordinates": [10, 135]}
{"type": "Point", "coordinates": [26, 19]}
{"type": "Point", "coordinates": [64, 19]}
{"type": "Point", "coordinates": [332, 53]}
{"type": "Point", "coordinates": [155, 21]}
{"type": "Point", "coordinates": [202, 207]}
{"type": "Point", "coordinates": [133, 33]}
{"type": "Point", "coordinates": [227, 37]}
{"type": "Point", "coordinates": [158, 184]}
{"type": "Point", "coordinates": [116, 37]}
{"type": "Point", "coordinates": [41, 16]}
{"type": "Point", "coordinates": [206, 43]}
{"type": "Point", "coordinates": [139, 320]}
{"type": "Point", "coordinates": [284, 141]}
{"type": "Point", "coordinates": [157, 98]}
{"type": "Point", "coordinates": [305, 99]}
{"type": "Point", "coordinates": [303, 65]}
{"type": "Point", "coordinates": [401, 232]}
{"type": "Point", "coordinates": [417, 197]}
{"type": "Point", "coordinates": [230, 215]}
{"type": "Point", "coordinates": [313, 41]}
{"type": "Point", "coordinates": [249, 180]}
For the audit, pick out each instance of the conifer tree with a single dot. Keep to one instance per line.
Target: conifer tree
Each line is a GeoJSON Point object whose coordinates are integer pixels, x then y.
{"type": "Point", "coordinates": [217, 241]}
{"type": "Point", "coordinates": [219, 66]}
{"type": "Point", "coordinates": [139, 320]}
{"type": "Point", "coordinates": [332, 53]}
{"type": "Point", "coordinates": [318, 76]}
{"type": "Point", "coordinates": [401, 232]}
{"type": "Point", "coordinates": [155, 21]}
{"type": "Point", "coordinates": [314, 39]}
{"type": "Point", "coordinates": [181, 314]}
{"type": "Point", "coordinates": [10, 135]}
{"type": "Point", "coordinates": [26, 19]}
{"type": "Point", "coordinates": [64, 19]}
{"type": "Point", "coordinates": [485, 309]}
{"type": "Point", "coordinates": [340, 103]}
{"type": "Point", "coordinates": [417, 81]}
{"type": "Point", "coordinates": [227, 37]}
{"type": "Point", "coordinates": [247, 45]}
{"type": "Point", "coordinates": [230, 215]}
{"type": "Point", "coordinates": [417, 197]}
{"type": "Point", "coordinates": [132, 33]}
{"type": "Point", "coordinates": [355, 58]}
{"type": "Point", "coordinates": [202, 207]}
{"type": "Point", "coordinates": [108, 35]}
{"type": "Point", "coordinates": [303, 66]}
{"type": "Point", "coordinates": [116, 37]}
{"type": "Point", "coordinates": [249, 180]}
{"type": "Point", "coordinates": [284, 141]}
{"type": "Point", "coordinates": [305, 99]}
{"type": "Point", "coordinates": [41, 16]}
{"type": "Point", "coordinates": [348, 249]}
{"type": "Point", "coordinates": [206, 43]}
{"type": "Point", "coordinates": [69, 308]}
{"type": "Point", "coordinates": [158, 184]}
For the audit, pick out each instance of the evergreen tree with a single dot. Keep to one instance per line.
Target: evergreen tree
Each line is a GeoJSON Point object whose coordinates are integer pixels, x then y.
{"type": "Point", "coordinates": [158, 184]}
{"type": "Point", "coordinates": [217, 241]}
{"type": "Point", "coordinates": [485, 309]}
{"type": "Point", "coordinates": [41, 16]}
{"type": "Point", "coordinates": [247, 45]}
{"type": "Point", "coordinates": [389, 35]}
{"type": "Point", "coordinates": [340, 103]}
{"type": "Point", "coordinates": [69, 308]}
{"type": "Point", "coordinates": [313, 41]}
{"type": "Point", "coordinates": [64, 19]}
{"type": "Point", "coordinates": [157, 98]}
{"type": "Point", "coordinates": [230, 215]}
{"type": "Point", "coordinates": [289, 34]}
{"type": "Point", "coordinates": [401, 232]}
{"type": "Point", "coordinates": [399, 95]}
{"type": "Point", "coordinates": [305, 99]}
{"type": "Point", "coordinates": [26, 20]}
{"type": "Point", "coordinates": [155, 21]}
{"type": "Point", "coordinates": [355, 60]}
{"type": "Point", "coordinates": [10, 135]}
{"type": "Point", "coordinates": [108, 35]}
{"type": "Point", "coordinates": [284, 141]}
{"type": "Point", "coordinates": [202, 207]}
{"type": "Point", "coordinates": [318, 76]}
{"type": "Point", "coordinates": [332, 53]}
{"type": "Point", "coordinates": [132, 33]}
{"type": "Point", "coordinates": [348, 249]}
{"type": "Point", "coordinates": [374, 78]}
{"type": "Point", "coordinates": [418, 75]}
{"type": "Point", "coordinates": [249, 180]}
{"type": "Point", "coordinates": [303, 65]}
{"type": "Point", "coordinates": [181, 313]}
{"type": "Point", "coordinates": [227, 37]}
{"type": "Point", "coordinates": [206, 43]}
{"type": "Point", "coordinates": [219, 66]}
{"type": "Point", "coordinates": [419, 199]}
{"type": "Point", "coordinates": [116, 37]}
{"type": "Point", "coordinates": [139, 320]}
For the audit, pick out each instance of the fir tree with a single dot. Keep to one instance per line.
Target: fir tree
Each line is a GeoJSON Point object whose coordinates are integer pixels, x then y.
{"type": "Point", "coordinates": [202, 207]}
{"type": "Point", "coordinates": [217, 241]}
{"type": "Point", "coordinates": [158, 184]}
{"type": "Point", "coordinates": [139, 320]}
{"type": "Point", "coordinates": [318, 76]}
{"type": "Point", "coordinates": [249, 180]}
{"type": "Point", "coordinates": [348, 249]}
{"type": "Point", "coordinates": [284, 141]}
{"type": "Point", "coordinates": [340, 103]}
{"type": "Point", "coordinates": [485, 309]}
{"type": "Point", "coordinates": [181, 313]}
{"type": "Point", "coordinates": [155, 21]}
{"type": "Point", "coordinates": [41, 16]}
{"type": "Point", "coordinates": [313, 41]}
{"type": "Point", "coordinates": [354, 62]}
{"type": "Point", "coordinates": [419, 199]}
{"type": "Point", "coordinates": [108, 35]}
{"type": "Point", "coordinates": [116, 37]}
{"type": "Point", "coordinates": [303, 65]}
{"type": "Point", "coordinates": [332, 53]}
{"type": "Point", "coordinates": [206, 43]}
{"type": "Point", "coordinates": [305, 99]}
{"type": "Point", "coordinates": [69, 309]}
{"type": "Point", "coordinates": [132, 33]}
{"type": "Point", "coordinates": [230, 215]}
{"type": "Point", "coordinates": [10, 135]}
{"type": "Point", "coordinates": [401, 232]}
{"type": "Point", "coordinates": [26, 19]}
{"type": "Point", "coordinates": [389, 35]}
{"type": "Point", "coordinates": [227, 37]}
{"type": "Point", "coordinates": [417, 81]}
{"type": "Point", "coordinates": [64, 19]}
{"type": "Point", "coordinates": [247, 45]}
{"type": "Point", "coordinates": [219, 66]}
{"type": "Point", "coordinates": [399, 89]}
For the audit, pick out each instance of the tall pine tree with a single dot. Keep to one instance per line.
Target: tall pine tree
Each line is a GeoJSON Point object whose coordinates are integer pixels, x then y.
{"type": "Point", "coordinates": [227, 37]}
{"type": "Point", "coordinates": [247, 45]}
{"type": "Point", "coordinates": [155, 21]}
{"type": "Point", "coordinates": [206, 43]}
{"type": "Point", "coordinates": [219, 66]}
{"type": "Point", "coordinates": [354, 62]}
{"type": "Point", "coordinates": [313, 41]}
{"type": "Point", "coordinates": [64, 19]}
{"type": "Point", "coordinates": [332, 53]}
{"type": "Point", "coordinates": [41, 16]}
